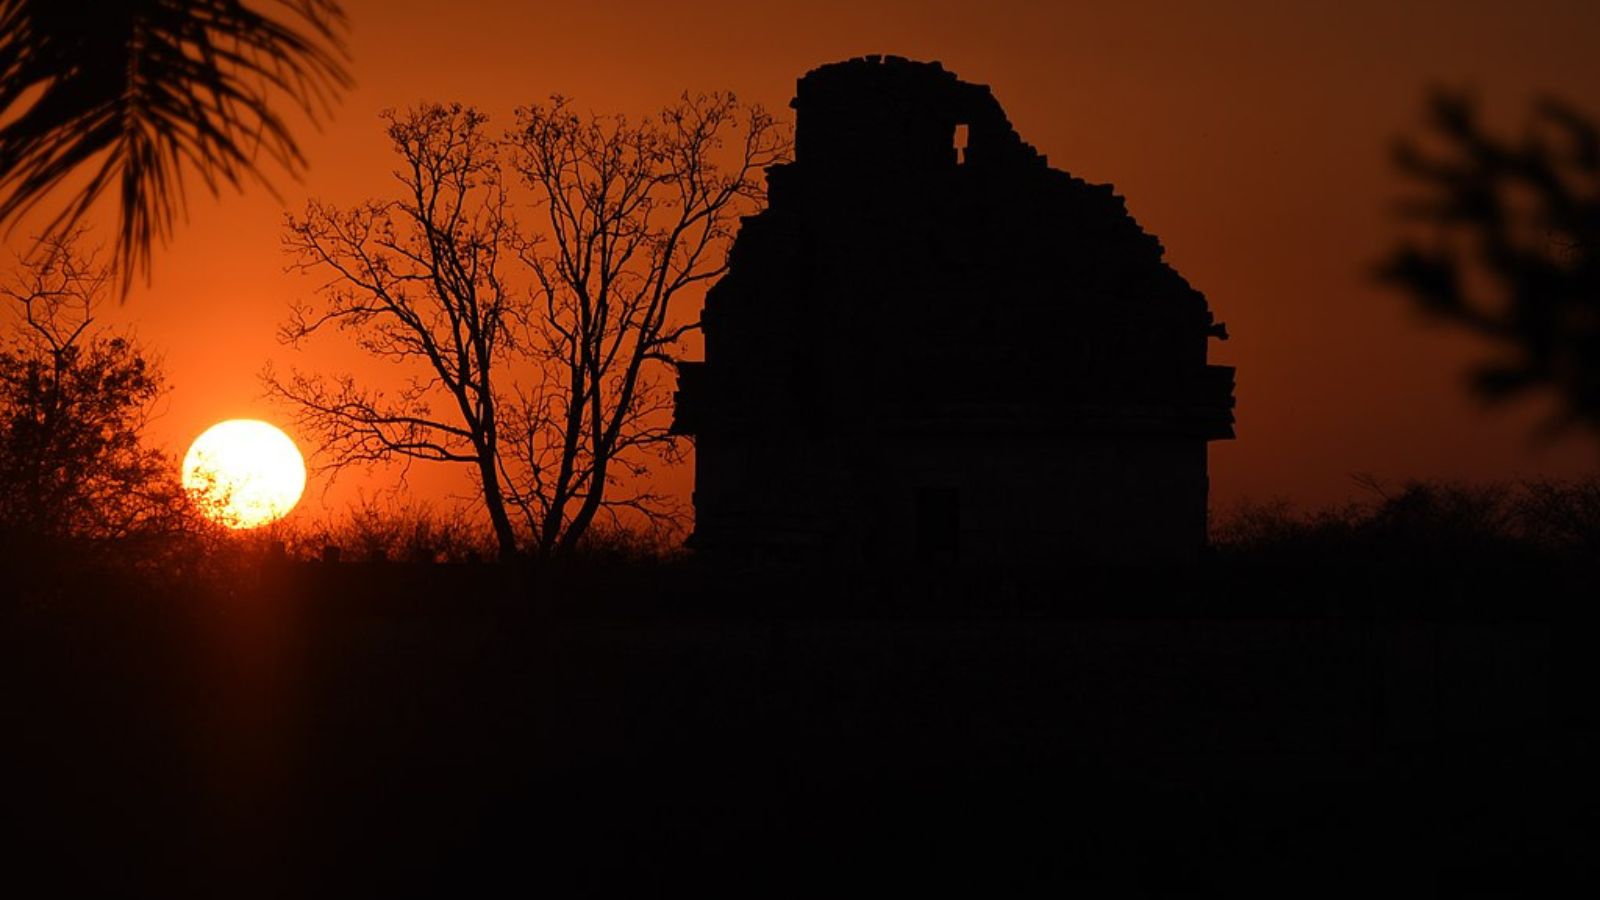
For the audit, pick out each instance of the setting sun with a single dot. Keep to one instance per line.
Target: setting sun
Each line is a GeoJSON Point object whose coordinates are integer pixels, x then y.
{"type": "Point", "coordinates": [916, 443]}
{"type": "Point", "coordinates": [244, 473]}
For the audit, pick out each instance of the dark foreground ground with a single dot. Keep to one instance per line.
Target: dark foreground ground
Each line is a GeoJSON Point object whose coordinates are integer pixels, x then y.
{"type": "Point", "coordinates": [467, 731]}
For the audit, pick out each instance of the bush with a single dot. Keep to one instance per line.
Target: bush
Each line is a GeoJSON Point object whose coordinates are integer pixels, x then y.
{"type": "Point", "coordinates": [1422, 522]}
{"type": "Point", "coordinates": [76, 478]}
{"type": "Point", "coordinates": [398, 531]}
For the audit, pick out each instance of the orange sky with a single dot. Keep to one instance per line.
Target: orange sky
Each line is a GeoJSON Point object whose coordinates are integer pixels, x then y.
{"type": "Point", "coordinates": [1249, 136]}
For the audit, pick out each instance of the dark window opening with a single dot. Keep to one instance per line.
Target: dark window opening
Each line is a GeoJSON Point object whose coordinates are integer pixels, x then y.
{"type": "Point", "coordinates": [938, 524]}
{"type": "Point", "coordinates": [961, 143]}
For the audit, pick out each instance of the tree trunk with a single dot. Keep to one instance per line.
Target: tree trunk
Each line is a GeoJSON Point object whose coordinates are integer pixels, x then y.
{"type": "Point", "coordinates": [494, 500]}
{"type": "Point", "coordinates": [585, 515]}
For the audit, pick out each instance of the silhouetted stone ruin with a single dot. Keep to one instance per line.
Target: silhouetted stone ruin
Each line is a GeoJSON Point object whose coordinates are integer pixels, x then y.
{"type": "Point", "coordinates": [933, 347]}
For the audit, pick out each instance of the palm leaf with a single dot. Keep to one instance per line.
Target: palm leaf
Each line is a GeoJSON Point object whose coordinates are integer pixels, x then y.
{"type": "Point", "coordinates": [135, 93]}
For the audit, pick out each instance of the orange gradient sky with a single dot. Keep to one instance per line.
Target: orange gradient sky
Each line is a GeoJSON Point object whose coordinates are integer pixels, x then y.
{"type": "Point", "coordinates": [1251, 137]}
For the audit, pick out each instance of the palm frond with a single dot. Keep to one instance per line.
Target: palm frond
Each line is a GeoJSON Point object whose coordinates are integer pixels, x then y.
{"type": "Point", "coordinates": [135, 93]}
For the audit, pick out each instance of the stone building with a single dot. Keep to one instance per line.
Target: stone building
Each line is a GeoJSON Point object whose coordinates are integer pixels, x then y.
{"type": "Point", "coordinates": [933, 347]}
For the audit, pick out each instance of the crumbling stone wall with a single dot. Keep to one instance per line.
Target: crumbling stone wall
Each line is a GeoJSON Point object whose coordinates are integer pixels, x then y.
{"type": "Point", "coordinates": [912, 319]}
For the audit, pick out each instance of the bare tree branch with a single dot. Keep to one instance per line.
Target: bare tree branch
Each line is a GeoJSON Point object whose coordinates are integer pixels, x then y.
{"type": "Point", "coordinates": [636, 215]}
{"type": "Point", "coordinates": [543, 354]}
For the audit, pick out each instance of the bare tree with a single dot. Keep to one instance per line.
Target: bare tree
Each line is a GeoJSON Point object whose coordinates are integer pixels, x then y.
{"type": "Point", "coordinates": [418, 281]}
{"type": "Point", "coordinates": [74, 401]}
{"type": "Point", "coordinates": [539, 359]}
{"type": "Point", "coordinates": [634, 215]}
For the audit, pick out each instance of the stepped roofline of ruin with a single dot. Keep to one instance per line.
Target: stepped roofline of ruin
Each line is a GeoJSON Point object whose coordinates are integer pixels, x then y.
{"type": "Point", "coordinates": [845, 111]}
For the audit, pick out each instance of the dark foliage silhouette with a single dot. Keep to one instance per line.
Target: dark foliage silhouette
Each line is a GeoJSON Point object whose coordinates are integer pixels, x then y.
{"type": "Point", "coordinates": [1562, 514]}
{"type": "Point", "coordinates": [134, 94]}
{"type": "Point", "coordinates": [1508, 246]}
{"type": "Point", "coordinates": [535, 358]}
{"type": "Point", "coordinates": [74, 400]}
{"type": "Point", "coordinates": [1422, 522]}
{"type": "Point", "coordinates": [397, 530]}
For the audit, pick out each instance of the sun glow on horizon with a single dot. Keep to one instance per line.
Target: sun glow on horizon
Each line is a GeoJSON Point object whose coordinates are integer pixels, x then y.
{"type": "Point", "coordinates": [244, 473]}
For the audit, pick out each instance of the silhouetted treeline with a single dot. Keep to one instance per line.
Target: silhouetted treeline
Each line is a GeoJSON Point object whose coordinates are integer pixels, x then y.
{"type": "Point", "coordinates": [1423, 522]}
{"type": "Point", "coordinates": [1417, 526]}
{"type": "Point", "coordinates": [1419, 550]}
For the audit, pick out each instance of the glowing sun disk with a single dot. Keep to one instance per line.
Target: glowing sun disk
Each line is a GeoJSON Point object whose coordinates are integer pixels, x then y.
{"type": "Point", "coordinates": [244, 473]}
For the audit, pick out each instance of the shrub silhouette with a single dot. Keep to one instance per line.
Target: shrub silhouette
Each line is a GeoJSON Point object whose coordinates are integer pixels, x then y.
{"type": "Point", "coordinates": [398, 531]}
{"type": "Point", "coordinates": [1421, 523]}
{"type": "Point", "coordinates": [74, 400]}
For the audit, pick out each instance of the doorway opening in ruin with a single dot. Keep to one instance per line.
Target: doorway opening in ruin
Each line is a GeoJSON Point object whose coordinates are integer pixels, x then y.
{"type": "Point", "coordinates": [961, 143]}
